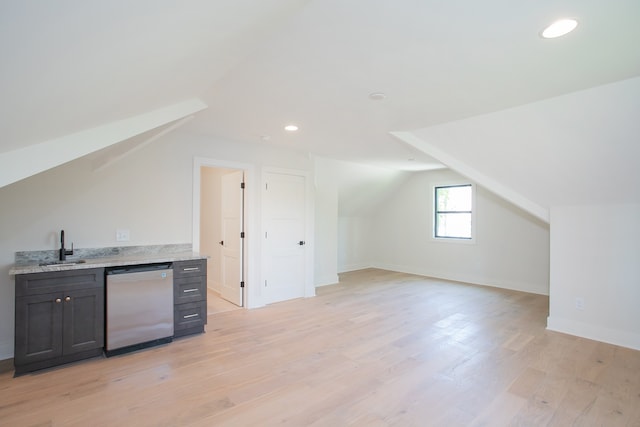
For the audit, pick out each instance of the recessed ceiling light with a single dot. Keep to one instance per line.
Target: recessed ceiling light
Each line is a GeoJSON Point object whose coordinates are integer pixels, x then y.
{"type": "Point", "coordinates": [559, 28]}
{"type": "Point", "coordinates": [377, 96]}
{"type": "Point", "coordinates": [291, 128]}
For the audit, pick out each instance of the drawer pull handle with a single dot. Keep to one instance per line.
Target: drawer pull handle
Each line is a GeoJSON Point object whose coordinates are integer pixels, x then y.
{"type": "Point", "coordinates": [58, 300]}
{"type": "Point", "coordinates": [67, 299]}
{"type": "Point", "coordinates": [191, 269]}
{"type": "Point", "coordinates": [189, 316]}
{"type": "Point", "coordinates": [190, 290]}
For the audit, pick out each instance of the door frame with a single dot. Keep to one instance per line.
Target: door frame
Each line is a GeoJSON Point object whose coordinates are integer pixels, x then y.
{"type": "Point", "coordinates": [251, 251]}
{"type": "Point", "coordinates": [309, 286]}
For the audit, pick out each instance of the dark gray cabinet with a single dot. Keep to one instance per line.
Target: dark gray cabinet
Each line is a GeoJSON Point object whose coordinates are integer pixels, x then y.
{"type": "Point", "coordinates": [59, 318]}
{"type": "Point", "coordinates": [189, 296]}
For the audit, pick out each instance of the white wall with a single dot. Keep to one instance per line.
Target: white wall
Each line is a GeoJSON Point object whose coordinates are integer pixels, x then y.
{"type": "Point", "coordinates": [511, 248]}
{"type": "Point", "coordinates": [347, 196]}
{"type": "Point", "coordinates": [148, 192]}
{"type": "Point", "coordinates": [595, 256]}
{"type": "Point", "coordinates": [354, 243]}
{"type": "Point", "coordinates": [326, 223]}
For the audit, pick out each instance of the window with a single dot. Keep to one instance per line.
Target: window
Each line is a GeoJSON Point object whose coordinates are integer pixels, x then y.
{"type": "Point", "coordinates": [453, 212]}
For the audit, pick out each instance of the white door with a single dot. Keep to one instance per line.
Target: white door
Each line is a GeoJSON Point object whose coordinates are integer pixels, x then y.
{"type": "Point", "coordinates": [284, 237]}
{"type": "Point", "coordinates": [231, 245]}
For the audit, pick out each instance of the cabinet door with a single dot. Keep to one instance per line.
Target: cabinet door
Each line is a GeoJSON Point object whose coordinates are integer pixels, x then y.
{"type": "Point", "coordinates": [83, 320]}
{"type": "Point", "coordinates": [38, 334]}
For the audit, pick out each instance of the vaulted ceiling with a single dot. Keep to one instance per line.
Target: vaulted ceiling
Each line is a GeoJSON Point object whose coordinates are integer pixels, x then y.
{"type": "Point", "coordinates": [74, 66]}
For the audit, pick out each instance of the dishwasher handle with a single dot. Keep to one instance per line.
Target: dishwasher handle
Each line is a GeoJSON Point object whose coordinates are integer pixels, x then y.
{"type": "Point", "coordinates": [137, 268]}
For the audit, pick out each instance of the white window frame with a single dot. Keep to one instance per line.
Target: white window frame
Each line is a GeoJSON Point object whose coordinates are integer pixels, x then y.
{"type": "Point", "coordinates": [456, 240]}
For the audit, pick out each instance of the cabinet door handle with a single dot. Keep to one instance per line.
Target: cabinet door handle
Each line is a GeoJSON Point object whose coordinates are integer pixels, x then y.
{"type": "Point", "coordinates": [58, 300]}
{"type": "Point", "coordinates": [190, 290]}
{"type": "Point", "coordinates": [191, 269]}
{"type": "Point", "coordinates": [189, 316]}
{"type": "Point", "coordinates": [67, 299]}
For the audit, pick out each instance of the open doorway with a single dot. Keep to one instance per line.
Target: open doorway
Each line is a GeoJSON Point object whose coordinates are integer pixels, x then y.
{"type": "Point", "coordinates": [221, 236]}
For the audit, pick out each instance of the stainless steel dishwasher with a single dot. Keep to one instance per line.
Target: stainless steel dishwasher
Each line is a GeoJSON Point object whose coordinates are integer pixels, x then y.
{"type": "Point", "coordinates": [139, 307]}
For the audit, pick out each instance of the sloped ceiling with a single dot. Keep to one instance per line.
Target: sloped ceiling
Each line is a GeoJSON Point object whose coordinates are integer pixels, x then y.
{"type": "Point", "coordinates": [260, 64]}
{"type": "Point", "coordinates": [580, 148]}
{"type": "Point", "coordinates": [437, 61]}
{"type": "Point", "coordinates": [71, 65]}
{"type": "Point", "coordinates": [78, 67]}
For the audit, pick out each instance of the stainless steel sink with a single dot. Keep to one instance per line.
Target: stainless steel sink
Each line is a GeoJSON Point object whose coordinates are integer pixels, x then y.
{"type": "Point", "coordinates": [63, 263]}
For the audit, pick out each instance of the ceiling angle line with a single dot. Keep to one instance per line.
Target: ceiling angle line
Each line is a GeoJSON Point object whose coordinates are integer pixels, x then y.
{"type": "Point", "coordinates": [109, 161]}
{"type": "Point", "coordinates": [24, 162]}
{"type": "Point", "coordinates": [464, 169]}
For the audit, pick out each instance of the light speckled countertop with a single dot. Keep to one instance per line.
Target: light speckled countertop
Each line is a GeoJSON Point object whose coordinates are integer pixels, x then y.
{"type": "Point", "coordinates": [98, 258]}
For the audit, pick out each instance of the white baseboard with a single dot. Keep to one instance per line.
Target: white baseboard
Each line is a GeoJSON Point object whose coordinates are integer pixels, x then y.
{"type": "Point", "coordinates": [522, 287]}
{"type": "Point", "coordinates": [327, 280]}
{"type": "Point", "coordinates": [214, 285]}
{"type": "Point", "coordinates": [594, 332]}
{"type": "Point", "coordinates": [354, 267]}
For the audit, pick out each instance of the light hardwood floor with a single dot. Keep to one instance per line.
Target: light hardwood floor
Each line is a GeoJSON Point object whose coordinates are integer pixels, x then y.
{"type": "Point", "coordinates": [216, 304]}
{"type": "Point", "coordinates": [380, 349]}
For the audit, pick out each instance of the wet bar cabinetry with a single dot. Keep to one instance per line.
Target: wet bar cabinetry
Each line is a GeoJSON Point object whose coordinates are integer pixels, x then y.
{"type": "Point", "coordinates": [60, 309]}
{"type": "Point", "coordinates": [59, 317]}
{"type": "Point", "coordinates": [190, 297]}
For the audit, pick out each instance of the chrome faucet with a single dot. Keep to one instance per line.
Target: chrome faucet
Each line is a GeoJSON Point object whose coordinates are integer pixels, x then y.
{"type": "Point", "coordinates": [63, 251]}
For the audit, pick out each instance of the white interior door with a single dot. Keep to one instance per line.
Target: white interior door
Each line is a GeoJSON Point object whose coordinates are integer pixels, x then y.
{"type": "Point", "coordinates": [231, 245]}
{"type": "Point", "coordinates": [285, 246]}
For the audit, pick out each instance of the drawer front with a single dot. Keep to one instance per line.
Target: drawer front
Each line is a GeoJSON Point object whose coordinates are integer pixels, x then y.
{"type": "Point", "coordinates": [58, 281]}
{"type": "Point", "coordinates": [189, 289]}
{"type": "Point", "coordinates": [189, 315]}
{"type": "Point", "coordinates": [196, 267]}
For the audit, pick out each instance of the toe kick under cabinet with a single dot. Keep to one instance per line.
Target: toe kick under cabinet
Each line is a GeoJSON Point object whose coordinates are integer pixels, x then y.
{"type": "Point", "coordinates": [190, 297]}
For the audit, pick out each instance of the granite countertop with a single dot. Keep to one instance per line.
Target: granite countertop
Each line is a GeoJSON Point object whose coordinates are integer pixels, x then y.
{"type": "Point", "coordinates": [29, 262]}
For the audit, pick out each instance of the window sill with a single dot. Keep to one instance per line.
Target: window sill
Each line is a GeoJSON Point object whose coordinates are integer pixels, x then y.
{"type": "Point", "coordinates": [460, 241]}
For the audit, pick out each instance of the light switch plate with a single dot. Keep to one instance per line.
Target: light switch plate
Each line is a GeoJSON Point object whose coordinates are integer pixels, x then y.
{"type": "Point", "coordinates": [122, 235]}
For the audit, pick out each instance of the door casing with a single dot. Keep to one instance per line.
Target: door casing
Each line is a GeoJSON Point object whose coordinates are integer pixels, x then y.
{"type": "Point", "coordinates": [251, 251]}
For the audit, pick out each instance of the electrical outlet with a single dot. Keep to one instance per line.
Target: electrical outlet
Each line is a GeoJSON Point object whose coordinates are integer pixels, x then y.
{"type": "Point", "coordinates": [122, 235]}
{"type": "Point", "coordinates": [579, 303]}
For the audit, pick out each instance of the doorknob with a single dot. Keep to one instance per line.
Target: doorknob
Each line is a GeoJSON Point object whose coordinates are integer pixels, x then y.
{"type": "Point", "coordinates": [221, 242]}
{"type": "Point", "coordinates": [301, 243]}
